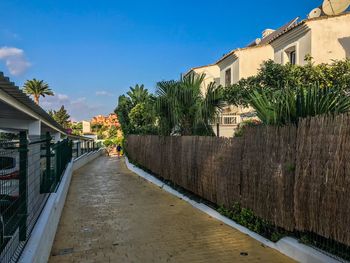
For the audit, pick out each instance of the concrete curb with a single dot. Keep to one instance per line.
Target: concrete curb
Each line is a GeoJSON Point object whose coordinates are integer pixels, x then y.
{"type": "Point", "coordinates": [39, 245]}
{"type": "Point", "coordinates": [86, 158]}
{"type": "Point", "coordinates": [288, 246]}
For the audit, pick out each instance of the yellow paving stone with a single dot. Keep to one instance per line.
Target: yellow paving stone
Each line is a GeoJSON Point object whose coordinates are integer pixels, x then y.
{"type": "Point", "coordinates": [112, 215]}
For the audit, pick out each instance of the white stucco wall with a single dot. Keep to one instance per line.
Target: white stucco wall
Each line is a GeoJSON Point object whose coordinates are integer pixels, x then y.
{"type": "Point", "coordinates": [330, 38]}
{"type": "Point", "coordinates": [245, 62]}
{"type": "Point", "coordinates": [325, 39]}
{"type": "Point", "coordinates": [34, 120]}
{"type": "Point", "coordinates": [251, 59]}
{"type": "Point", "coordinates": [231, 62]}
{"type": "Point", "coordinates": [225, 130]}
{"type": "Point", "coordinates": [300, 38]}
{"type": "Point", "coordinates": [212, 74]}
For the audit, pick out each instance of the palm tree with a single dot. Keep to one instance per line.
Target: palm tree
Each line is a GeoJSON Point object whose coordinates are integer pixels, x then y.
{"type": "Point", "coordinates": [184, 108]}
{"type": "Point", "coordinates": [138, 94]}
{"type": "Point", "coordinates": [37, 88]}
{"type": "Point", "coordinates": [138, 102]}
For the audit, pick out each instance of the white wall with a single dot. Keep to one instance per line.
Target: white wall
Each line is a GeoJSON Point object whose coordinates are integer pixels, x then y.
{"type": "Point", "coordinates": [212, 74]}
{"type": "Point", "coordinates": [251, 59]}
{"type": "Point", "coordinates": [231, 62]}
{"type": "Point", "coordinates": [300, 38]}
{"type": "Point", "coordinates": [225, 130]}
{"type": "Point", "coordinates": [330, 38]}
{"type": "Point", "coordinates": [24, 109]}
{"type": "Point", "coordinates": [325, 39]}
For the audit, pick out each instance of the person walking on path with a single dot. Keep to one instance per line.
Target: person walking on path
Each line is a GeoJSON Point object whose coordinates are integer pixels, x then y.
{"type": "Point", "coordinates": [119, 149]}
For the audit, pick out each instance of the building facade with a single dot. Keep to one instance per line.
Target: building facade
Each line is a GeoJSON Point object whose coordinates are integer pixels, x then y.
{"type": "Point", "coordinates": [212, 74]}
{"type": "Point", "coordinates": [243, 63]}
{"type": "Point", "coordinates": [109, 121]}
{"type": "Point", "coordinates": [325, 39]}
{"type": "Point", "coordinates": [227, 120]}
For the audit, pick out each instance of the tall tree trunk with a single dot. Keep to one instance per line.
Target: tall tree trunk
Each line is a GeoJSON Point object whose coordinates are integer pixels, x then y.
{"type": "Point", "coordinates": [36, 99]}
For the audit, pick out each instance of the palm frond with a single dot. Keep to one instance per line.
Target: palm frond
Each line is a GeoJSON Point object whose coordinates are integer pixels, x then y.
{"type": "Point", "coordinates": [279, 107]}
{"type": "Point", "coordinates": [182, 106]}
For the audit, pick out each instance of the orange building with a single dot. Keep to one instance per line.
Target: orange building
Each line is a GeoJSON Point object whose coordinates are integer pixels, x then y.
{"type": "Point", "coordinates": [110, 120]}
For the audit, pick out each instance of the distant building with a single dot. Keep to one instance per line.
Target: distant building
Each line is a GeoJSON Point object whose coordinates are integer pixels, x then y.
{"type": "Point", "coordinates": [86, 127]}
{"type": "Point", "coordinates": [109, 121]}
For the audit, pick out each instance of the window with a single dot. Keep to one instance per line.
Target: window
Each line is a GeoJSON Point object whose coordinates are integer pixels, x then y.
{"type": "Point", "coordinates": [292, 57]}
{"type": "Point", "coordinates": [217, 120]}
{"type": "Point", "coordinates": [228, 77]}
{"type": "Point", "coordinates": [230, 120]}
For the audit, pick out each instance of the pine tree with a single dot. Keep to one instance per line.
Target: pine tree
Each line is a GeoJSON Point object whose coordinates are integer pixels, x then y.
{"type": "Point", "coordinates": [61, 116]}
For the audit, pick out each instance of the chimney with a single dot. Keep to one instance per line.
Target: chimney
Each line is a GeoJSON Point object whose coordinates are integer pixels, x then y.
{"type": "Point", "coordinates": [267, 32]}
{"type": "Point", "coordinates": [254, 43]}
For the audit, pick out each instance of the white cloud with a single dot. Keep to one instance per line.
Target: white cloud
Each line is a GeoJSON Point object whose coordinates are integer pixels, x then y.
{"type": "Point", "coordinates": [54, 102]}
{"type": "Point", "coordinates": [103, 93]}
{"type": "Point", "coordinates": [79, 101]}
{"type": "Point", "coordinates": [10, 51]}
{"type": "Point", "coordinates": [15, 60]}
{"type": "Point", "coordinates": [62, 97]}
{"type": "Point", "coordinates": [79, 108]}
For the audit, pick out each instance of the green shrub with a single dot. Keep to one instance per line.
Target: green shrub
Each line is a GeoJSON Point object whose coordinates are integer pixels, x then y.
{"type": "Point", "coordinates": [248, 219]}
{"type": "Point", "coordinates": [244, 124]}
{"type": "Point", "coordinates": [282, 94]}
{"type": "Point", "coordinates": [279, 107]}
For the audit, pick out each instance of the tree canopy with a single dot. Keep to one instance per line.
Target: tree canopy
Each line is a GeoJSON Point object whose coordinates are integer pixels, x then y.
{"type": "Point", "coordinates": [183, 107]}
{"type": "Point", "coordinates": [177, 107]}
{"type": "Point", "coordinates": [61, 116]}
{"type": "Point", "coordinates": [135, 111]}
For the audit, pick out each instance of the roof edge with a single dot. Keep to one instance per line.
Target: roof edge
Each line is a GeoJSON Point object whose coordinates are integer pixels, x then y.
{"type": "Point", "coordinates": [29, 103]}
{"type": "Point", "coordinates": [199, 67]}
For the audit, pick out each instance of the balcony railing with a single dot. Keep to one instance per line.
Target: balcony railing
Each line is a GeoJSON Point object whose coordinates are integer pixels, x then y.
{"type": "Point", "coordinates": [227, 119]}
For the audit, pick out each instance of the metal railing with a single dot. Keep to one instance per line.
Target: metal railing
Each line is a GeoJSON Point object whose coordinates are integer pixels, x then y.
{"type": "Point", "coordinates": [82, 147]}
{"type": "Point", "coordinates": [226, 119]}
{"type": "Point", "coordinates": [30, 169]}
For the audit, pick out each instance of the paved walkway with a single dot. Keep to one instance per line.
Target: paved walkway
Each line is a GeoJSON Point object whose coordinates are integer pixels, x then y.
{"type": "Point", "coordinates": [112, 215]}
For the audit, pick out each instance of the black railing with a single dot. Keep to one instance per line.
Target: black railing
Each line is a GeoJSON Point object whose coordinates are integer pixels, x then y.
{"type": "Point", "coordinates": [82, 147]}
{"type": "Point", "coordinates": [30, 169]}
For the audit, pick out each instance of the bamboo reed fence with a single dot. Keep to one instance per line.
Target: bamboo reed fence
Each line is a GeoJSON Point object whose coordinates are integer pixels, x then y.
{"type": "Point", "coordinates": [297, 178]}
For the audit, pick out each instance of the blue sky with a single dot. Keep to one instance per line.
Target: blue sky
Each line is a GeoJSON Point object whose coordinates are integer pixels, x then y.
{"type": "Point", "coordinates": [91, 51]}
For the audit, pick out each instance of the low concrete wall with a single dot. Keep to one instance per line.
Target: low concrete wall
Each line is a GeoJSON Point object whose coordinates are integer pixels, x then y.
{"type": "Point", "coordinates": [86, 158]}
{"type": "Point", "coordinates": [39, 245]}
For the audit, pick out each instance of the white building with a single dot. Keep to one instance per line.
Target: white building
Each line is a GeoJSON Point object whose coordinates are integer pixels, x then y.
{"type": "Point", "coordinates": [325, 39]}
